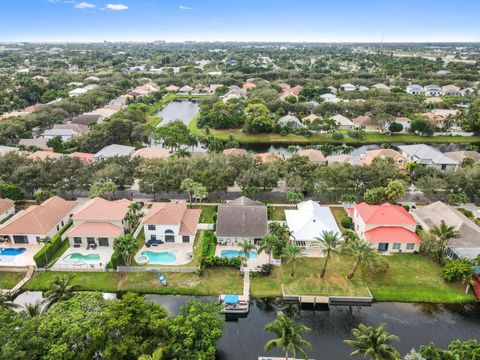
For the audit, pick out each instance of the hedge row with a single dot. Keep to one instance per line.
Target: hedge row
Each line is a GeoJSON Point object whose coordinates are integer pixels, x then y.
{"type": "Point", "coordinates": [216, 261]}
{"type": "Point", "coordinates": [51, 248]}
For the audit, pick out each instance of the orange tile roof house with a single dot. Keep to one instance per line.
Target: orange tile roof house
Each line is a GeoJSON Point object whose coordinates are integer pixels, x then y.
{"type": "Point", "coordinates": [387, 227]}
{"type": "Point", "coordinates": [313, 155]}
{"type": "Point", "coordinates": [171, 222]}
{"type": "Point", "coordinates": [98, 222]}
{"type": "Point", "coordinates": [7, 208]}
{"type": "Point", "coordinates": [399, 160]}
{"type": "Point", "coordinates": [234, 152]}
{"type": "Point", "coordinates": [38, 221]}
{"type": "Point", "coordinates": [45, 155]}
{"type": "Point", "coordinates": [152, 153]}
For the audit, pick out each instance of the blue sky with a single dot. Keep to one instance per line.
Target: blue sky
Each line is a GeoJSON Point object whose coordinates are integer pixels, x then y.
{"type": "Point", "coordinates": [240, 20]}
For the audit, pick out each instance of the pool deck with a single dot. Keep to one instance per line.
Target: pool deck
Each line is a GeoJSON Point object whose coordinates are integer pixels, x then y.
{"type": "Point", "coordinates": [182, 252]}
{"type": "Point", "coordinates": [261, 259]}
{"type": "Point", "coordinates": [23, 260]}
{"type": "Point", "coordinates": [104, 252]}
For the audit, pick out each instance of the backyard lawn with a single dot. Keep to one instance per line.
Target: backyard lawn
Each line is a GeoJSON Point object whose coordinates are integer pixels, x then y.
{"type": "Point", "coordinates": [212, 282]}
{"type": "Point", "coordinates": [208, 213]}
{"type": "Point", "coordinates": [9, 279]}
{"type": "Point", "coordinates": [278, 212]}
{"type": "Point", "coordinates": [338, 214]}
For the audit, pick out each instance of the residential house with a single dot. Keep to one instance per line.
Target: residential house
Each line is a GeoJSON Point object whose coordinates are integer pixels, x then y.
{"type": "Point", "coordinates": [309, 221]}
{"type": "Point", "coordinates": [7, 208]}
{"type": "Point", "coordinates": [98, 222]}
{"type": "Point", "coordinates": [343, 122]}
{"type": "Point", "coordinates": [434, 100]}
{"type": "Point", "coordinates": [386, 227]}
{"type": "Point", "coordinates": [38, 221]}
{"type": "Point", "coordinates": [248, 86]}
{"type": "Point", "coordinates": [114, 150]}
{"type": "Point", "coordinates": [45, 155]}
{"type": "Point", "coordinates": [332, 89]}
{"type": "Point", "coordinates": [269, 157]}
{"type": "Point", "coordinates": [363, 122]}
{"type": "Point", "coordinates": [315, 156]}
{"type": "Point", "coordinates": [467, 245]}
{"type": "Point", "coordinates": [290, 121]}
{"type": "Point", "coordinates": [348, 87]}
{"type": "Point", "coordinates": [344, 159]}
{"type": "Point", "coordinates": [462, 155]}
{"type": "Point", "coordinates": [405, 122]}
{"type": "Point", "coordinates": [399, 160]}
{"type": "Point", "coordinates": [65, 131]}
{"type": "Point", "coordinates": [40, 143]}
{"type": "Point", "coordinates": [79, 129]}
{"type": "Point", "coordinates": [144, 90]}
{"type": "Point", "coordinates": [87, 157]}
{"type": "Point", "coordinates": [171, 222]}
{"type": "Point", "coordinates": [381, 87]}
{"type": "Point", "coordinates": [415, 89]}
{"type": "Point", "coordinates": [451, 90]}
{"type": "Point", "coordinates": [241, 220]}
{"type": "Point", "coordinates": [432, 90]}
{"type": "Point", "coordinates": [310, 118]}
{"type": "Point", "coordinates": [85, 119]}
{"type": "Point", "coordinates": [172, 88]}
{"type": "Point", "coordinates": [428, 156]}
{"type": "Point", "coordinates": [234, 152]}
{"type": "Point", "coordinates": [187, 89]}
{"type": "Point", "coordinates": [330, 98]}
{"type": "Point", "coordinates": [82, 90]}
{"type": "Point", "coordinates": [293, 91]}
{"type": "Point", "coordinates": [152, 153]}
{"type": "Point", "coordinates": [4, 150]}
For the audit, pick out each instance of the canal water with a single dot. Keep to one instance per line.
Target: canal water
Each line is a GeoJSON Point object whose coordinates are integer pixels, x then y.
{"type": "Point", "coordinates": [186, 110]}
{"type": "Point", "coordinates": [414, 324]}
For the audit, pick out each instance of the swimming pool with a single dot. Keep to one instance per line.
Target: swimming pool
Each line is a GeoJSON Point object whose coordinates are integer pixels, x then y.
{"type": "Point", "coordinates": [76, 257]}
{"type": "Point", "coordinates": [12, 251]}
{"type": "Point", "coordinates": [159, 258]}
{"type": "Point", "coordinates": [237, 253]}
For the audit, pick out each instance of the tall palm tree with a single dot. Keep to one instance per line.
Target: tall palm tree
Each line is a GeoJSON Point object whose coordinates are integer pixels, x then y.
{"type": "Point", "coordinates": [6, 301]}
{"type": "Point", "coordinates": [330, 242]}
{"type": "Point", "coordinates": [156, 355]}
{"type": "Point", "coordinates": [444, 233]}
{"type": "Point", "coordinates": [46, 240]}
{"type": "Point", "coordinates": [61, 289]}
{"type": "Point", "coordinates": [361, 251]}
{"type": "Point", "coordinates": [289, 336]}
{"type": "Point", "coordinates": [374, 343]}
{"type": "Point", "coordinates": [33, 309]}
{"type": "Point", "coordinates": [292, 252]}
{"type": "Point", "coordinates": [188, 185]}
{"type": "Point", "coordinates": [268, 244]}
{"type": "Point", "coordinates": [247, 247]}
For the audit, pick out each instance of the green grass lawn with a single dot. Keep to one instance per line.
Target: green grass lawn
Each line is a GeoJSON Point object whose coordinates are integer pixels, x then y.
{"type": "Point", "coordinates": [278, 212]}
{"type": "Point", "coordinates": [338, 214]}
{"type": "Point", "coordinates": [208, 213]}
{"type": "Point", "coordinates": [410, 278]}
{"type": "Point", "coordinates": [9, 279]}
{"type": "Point", "coordinates": [212, 282]}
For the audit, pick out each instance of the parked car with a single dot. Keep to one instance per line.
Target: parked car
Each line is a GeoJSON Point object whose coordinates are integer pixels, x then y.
{"type": "Point", "coordinates": [153, 242]}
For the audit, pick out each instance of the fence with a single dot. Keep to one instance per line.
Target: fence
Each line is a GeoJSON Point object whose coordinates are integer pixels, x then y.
{"type": "Point", "coordinates": [203, 226]}
{"type": "Point", "coordinates": [75, 267]}
{"type": "Point", "coordinates": [171, 269]}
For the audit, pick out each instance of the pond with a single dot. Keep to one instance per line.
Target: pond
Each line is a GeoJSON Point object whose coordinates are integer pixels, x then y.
{"type": "Point", "coordinates": [414, 324]}
{"type": "Point", "coordinates": [184, 110]}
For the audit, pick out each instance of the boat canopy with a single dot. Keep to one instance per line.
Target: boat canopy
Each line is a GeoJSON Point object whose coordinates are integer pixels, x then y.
{"type": "Point", "coordinates": [231, 299]}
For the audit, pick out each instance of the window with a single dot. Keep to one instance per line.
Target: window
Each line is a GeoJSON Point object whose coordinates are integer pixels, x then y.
{"type": "Point", "coordinates": [90, 241]}
{"type": "Point", "coordinates": [103, 241]}
{"type": "Point", "coordinates": [77, 240]}
{"type": "Point", "coordinates": [186, 239]}
{"type": "Point", "coordinates": [20, 239]}
{"type": "Point", "coordinates": [396, 246]}
{"type": "Point", "coordinates": [410, 246]}
{"type": "Point", "coordinates": [153, 237]}
{"type": "Point", "coordinates": [62, 222]}
{"type": "Point", "coordinates": [151, 227]}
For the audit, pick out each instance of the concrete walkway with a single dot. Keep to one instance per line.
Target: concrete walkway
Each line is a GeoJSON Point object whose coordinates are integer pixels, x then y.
{"type": "Point", "coordinates": [16, 288]}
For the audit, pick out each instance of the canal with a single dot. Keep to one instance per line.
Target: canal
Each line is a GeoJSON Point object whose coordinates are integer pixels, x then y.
{"type": "Point", "coordinates": [414, 324]}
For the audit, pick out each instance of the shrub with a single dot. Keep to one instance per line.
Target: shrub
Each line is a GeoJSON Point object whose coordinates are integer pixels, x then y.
{"type": "Point", "coordinates": [406, 207]}
{"type": "Point", "coordinates": [116, 260]}
{"type": "Point", "coordinates": [337, 136]}
{"type": "Point", "coordinates": [377, 266]}
{"type": "Point", "coordinates": [346, 222]}
{"type": "Point", "coordinates": [209, 241]}
{"type": "Point", "coordinates": [467, 213]}
{"type": "Point", "coordinates": [51, 248]}
{"type": "Point", "coordinates": [216, 261]}
{"type": "Point", "coordinates": [11, 191]}
{"type": "Point", "coordinates": [456, 270]}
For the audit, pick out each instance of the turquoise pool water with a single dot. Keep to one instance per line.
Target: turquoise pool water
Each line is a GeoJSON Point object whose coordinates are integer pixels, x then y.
{"type": "Point", "coordinates": [237, 253]}
{"type": "Point", "coordinates": [12, 251]}
{"type": "Point", "coordinates": [159, 258]}
{"type": "Point", "coordinates": [74, 257]}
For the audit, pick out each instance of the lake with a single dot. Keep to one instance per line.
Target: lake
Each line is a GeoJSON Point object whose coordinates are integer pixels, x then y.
{"type": "Point", "coordinates": [184, 110]}
{"type": "Point", "coordinates": [414, 324]}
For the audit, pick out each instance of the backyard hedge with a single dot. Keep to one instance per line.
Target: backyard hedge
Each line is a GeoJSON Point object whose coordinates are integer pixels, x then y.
{"type": "Point", "coordinates": [216, 261]}
{"type": "Point", "coordinates": [51, 248]}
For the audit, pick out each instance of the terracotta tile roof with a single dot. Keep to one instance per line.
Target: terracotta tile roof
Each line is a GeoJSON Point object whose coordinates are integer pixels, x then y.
{"type": "Point", "coordinates": [81, 155]}
{"type": "Point", "coordinates": [384, 214]}
{"type": "Point", "coordinates": [40, 143]}
{"type": "Point", "coordinates": [174, 214]}
{"type": "Point", "coordinates": [39, 219]}
{"type": "Point", "coordinates": [6, 204]}
{"type": "Point", "coordinates": [44, 155]}
{"type": "Point", "coordinates": [95, 229]}
{"type": "Point", "coordinates": [386, 234]}
{"type": "Point", "coordinates": [269, 157]}
{"type": "Point", "coordinates": [152, 153]}
{"type": "Point", "coordinates": [362, 120]}
{"type": "Point", "coordinates": [234, 152]}
{"type": "Point", "coordinates": [399, 159]}
{"type": "Point", "coordinates": [102, 209]}
{"type": "Point", "coordinates": [312, 154]}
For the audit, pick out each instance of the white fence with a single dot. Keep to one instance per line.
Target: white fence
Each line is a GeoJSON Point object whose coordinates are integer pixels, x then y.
{"type": "Point", "coordinates": [167, 269]}
{"type": "Point", "coordinates": [204, 226]}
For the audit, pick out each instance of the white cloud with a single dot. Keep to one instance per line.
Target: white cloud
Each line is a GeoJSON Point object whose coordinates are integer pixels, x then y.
{"type": "Point", "coordinates": [85, 5]}
{"type": "Point", "coordinates": [117, 7]}
{"type": "Point", "coordinates": [183, 7]}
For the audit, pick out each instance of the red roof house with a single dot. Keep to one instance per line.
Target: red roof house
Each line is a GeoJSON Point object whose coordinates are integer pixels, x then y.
{"type": "Point", "coordinates": [389, 227]}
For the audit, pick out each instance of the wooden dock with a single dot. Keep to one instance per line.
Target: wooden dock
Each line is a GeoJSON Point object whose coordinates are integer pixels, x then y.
{"type": "Point", "coordinates": [243, 305]}
{"type": "Point", "coordinates": [329, 300]}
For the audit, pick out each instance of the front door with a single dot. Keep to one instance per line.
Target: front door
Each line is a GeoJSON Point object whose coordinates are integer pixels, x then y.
{"type": "Point", "coordinates": [383, 247]}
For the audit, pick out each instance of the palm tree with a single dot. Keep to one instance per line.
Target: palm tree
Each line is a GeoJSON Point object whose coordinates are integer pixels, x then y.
{"type": "Point", "coordinates": [135, 207]}
{"type": "Point", "coordinates": [200, 192]}
{"type": "Point", "coordinates": [268, 244]}
{"type": "Point", "coordinates": [361, 251]}
{"type": "Point", "coordinates": [182, 152]}
{"type": "Point", "coordinates": [33, 309]}
{"type": "Point", "coordinates": [6, 301]}
{"type": "Point", "coordinates": [330, 242]}
{"type": "Point", "coordinates": [46, 240]}
{"type": "Point", "coordinates": [374, 343]}
{"type": "Point", "coordinates": [289, 336]}
{"type": "Point", "coordinates": [61, 289]}
{"type": "Point", "coordinates": [444, 233]}
{"type": "Point", "coordinates": [292, 252]}
{"type": "Point", "coordinates": [157, 355]}
{"type": "Point", "coordinates": [247, 247]}
{"type": "Point", "coordinates": [188, 185]}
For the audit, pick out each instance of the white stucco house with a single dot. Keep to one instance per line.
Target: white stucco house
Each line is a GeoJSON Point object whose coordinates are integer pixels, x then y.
{"type": "Point", "coordinates": [428, 156]}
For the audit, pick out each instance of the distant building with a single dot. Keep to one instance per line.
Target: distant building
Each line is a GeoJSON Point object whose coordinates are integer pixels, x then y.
{"type": "Point", "coordinates": [114, 150]}
{"type": "Point", "coordinates": [415, 89]}
{"type": "Point", "coordinates": [428, 156]}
